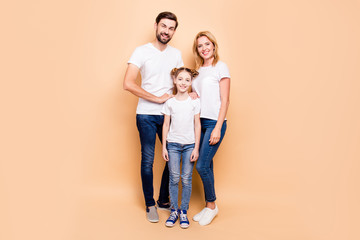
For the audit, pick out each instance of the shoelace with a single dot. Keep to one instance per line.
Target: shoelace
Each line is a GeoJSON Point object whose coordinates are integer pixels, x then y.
{"type": "Point", "coordinates": [173, 215]}
{"type": "Point", "coordinates": [183, 217]}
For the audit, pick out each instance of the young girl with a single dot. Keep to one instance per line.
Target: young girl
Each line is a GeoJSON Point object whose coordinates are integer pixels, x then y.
{"type": "Point", "coordinates": [181, 139]}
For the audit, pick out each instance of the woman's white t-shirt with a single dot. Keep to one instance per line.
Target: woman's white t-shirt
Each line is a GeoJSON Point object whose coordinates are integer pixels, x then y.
{"type": "Point", "coordinates": [182, 127]}
{"type": "Point", "coordinates": [207, 86]}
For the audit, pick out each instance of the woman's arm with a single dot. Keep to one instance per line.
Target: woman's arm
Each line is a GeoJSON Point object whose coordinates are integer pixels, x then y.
{"type": "Point", "coordinates": [164, 136]}
{"type": "Point", "coordinates": [225, 101]}
{"type": "Point", "coordinates": [195, 153]}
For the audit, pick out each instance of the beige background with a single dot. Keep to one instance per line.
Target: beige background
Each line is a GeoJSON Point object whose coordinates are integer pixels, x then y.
{"type": "Point", "coordinates": [287, 169]}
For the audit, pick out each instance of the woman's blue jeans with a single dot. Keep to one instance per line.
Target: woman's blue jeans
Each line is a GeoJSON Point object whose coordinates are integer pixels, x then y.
{"type": "Point", "coordinates": [149, 126]}
{"type": "Point", "coordinates": [204, 164]}
{"type": "Point", "coordinates": [177, 153]}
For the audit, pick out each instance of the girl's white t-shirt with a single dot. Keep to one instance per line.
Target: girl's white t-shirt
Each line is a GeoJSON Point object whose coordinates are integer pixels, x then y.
{"type": "Point", "coordinates": [155, 67]}
{"type": "Point", "coordinates": [207, 86]}
{"type": "Point", "coordinates": [182, 127]}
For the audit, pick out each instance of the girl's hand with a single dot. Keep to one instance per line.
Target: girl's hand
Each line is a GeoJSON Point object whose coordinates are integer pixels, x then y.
{"type": "Point", "coordinates": [215, 136]}
{"type": "Point", "coordinates": [193, 95]}
{"type": "Point", "coordinates": [194, 155]}
{"type": "Point", "coordinates": [165, 154]}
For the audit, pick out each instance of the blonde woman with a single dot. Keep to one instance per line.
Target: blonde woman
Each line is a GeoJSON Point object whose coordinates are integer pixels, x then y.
{"type": "Point", "coordinates": [212, 86]}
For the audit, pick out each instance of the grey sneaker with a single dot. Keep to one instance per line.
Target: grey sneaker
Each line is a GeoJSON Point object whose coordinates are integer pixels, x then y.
{"type": "Point", "coordinates": [151, 214]}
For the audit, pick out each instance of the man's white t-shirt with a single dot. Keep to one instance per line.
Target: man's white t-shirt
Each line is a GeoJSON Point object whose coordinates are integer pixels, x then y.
{"type": "Point", "coordinates": [182, 127]}
{"type": "Point", "coordinates": [207, 86]}
{"type": "Point", "coordinates": [155, 67]}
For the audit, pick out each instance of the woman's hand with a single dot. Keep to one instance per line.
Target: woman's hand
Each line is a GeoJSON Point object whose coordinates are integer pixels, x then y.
{"type": "Point", "coordinates": [165, 154]}
{"type": "Point", "coordinates": [193, 95]}
{"type": "Point", "coordinates": [215, 136]}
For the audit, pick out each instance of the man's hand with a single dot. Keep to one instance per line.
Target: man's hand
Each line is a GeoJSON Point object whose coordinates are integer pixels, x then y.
{"type": "Point", "coordinates": [164, 98]}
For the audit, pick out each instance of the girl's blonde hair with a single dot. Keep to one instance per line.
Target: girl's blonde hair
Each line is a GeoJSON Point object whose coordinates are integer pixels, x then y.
{"type": "Point", "coordinates": [199, 61]}
{"type": "Point", "coordinates": [175, 72]}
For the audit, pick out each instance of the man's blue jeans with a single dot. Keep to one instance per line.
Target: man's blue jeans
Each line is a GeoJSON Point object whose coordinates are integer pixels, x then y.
{"type": "Point", "coordinates": [149, 126]}
{"type": "Point", "coordinates": [177, 153]}
{"type": "Point", "coordinates": [204, 164]}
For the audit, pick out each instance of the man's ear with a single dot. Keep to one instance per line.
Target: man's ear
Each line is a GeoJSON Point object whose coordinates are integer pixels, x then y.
{"type": "Point", "coordinates": [155, 25]}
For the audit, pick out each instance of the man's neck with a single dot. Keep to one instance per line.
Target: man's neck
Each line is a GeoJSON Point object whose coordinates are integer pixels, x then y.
{"type": "Point", "coordinates": [159, 45]}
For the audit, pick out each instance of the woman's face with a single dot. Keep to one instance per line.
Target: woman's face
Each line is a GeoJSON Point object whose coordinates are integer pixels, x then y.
{"type": "Point", "coordinates": [205, 48]}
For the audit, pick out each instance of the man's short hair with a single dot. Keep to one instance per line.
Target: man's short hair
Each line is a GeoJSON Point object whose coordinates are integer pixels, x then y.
{"type": "Point", "coordinates": [168, 15]}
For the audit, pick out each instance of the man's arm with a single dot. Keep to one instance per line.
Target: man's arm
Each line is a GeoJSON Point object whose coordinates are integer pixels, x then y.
{"type": "Point", "coordinates": [130, 85]}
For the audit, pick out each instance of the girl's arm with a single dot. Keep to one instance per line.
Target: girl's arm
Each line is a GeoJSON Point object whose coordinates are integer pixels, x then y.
{"type": "Point", "coordinates": [195, 153]}
{"type": "Point", "coordinates": [225, 101]}
{"type": "Point", "coordinates": [164, 136]}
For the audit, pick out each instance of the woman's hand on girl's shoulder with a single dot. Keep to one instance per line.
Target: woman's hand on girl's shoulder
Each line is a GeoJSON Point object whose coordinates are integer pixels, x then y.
{"type": "Point", "coordinates": [193, 95]}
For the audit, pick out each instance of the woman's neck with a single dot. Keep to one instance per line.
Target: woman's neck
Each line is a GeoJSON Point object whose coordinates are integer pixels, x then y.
{"type": "Point", "coordinates": [208, 62]}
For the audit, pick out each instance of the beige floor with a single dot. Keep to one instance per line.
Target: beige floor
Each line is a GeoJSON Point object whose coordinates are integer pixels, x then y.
{"type": "Point", "coordinates": [243, 217]}
{"type": "Point", "coordinates": [111, 213]}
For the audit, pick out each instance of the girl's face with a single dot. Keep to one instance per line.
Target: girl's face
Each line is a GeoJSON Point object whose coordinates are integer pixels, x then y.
{"type": "Point", "coordinates": [205, 48]}
{"type": "Point", "coordinates": [182, 82]}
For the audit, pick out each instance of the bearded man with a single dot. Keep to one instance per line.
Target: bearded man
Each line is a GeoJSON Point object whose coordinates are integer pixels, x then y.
{"type": "Point", "coordinates": [154, 61]}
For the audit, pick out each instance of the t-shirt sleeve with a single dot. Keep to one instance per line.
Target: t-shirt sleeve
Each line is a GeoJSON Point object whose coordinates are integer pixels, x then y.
{"type": "Point", "coordinates": [223, 71]}
{"type": "Point", "coordinates": [136, 58]}
{"type": "Point", "coordinates": [197, 106]}
{"type": "Point", "coordinates": [166, 108]}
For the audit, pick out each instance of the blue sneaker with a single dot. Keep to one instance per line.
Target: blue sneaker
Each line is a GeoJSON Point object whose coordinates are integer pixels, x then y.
{"type": "Point", "coordinates": [184, 221]}
{"type": "Point", "coordinates": [174, 215]}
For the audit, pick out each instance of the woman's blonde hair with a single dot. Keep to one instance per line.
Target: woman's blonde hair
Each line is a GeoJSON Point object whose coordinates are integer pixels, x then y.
{"type": "Point", "coordinates": [199, 61]}
{"type": "Point", "coordinates": [175, 72]}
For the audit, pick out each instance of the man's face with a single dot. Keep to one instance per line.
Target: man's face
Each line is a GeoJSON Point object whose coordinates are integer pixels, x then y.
{"type": "Point", "coordinates": [165, 30]}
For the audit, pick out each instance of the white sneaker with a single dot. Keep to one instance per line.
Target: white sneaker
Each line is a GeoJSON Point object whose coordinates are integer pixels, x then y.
{"type": "Point", "coordinates": [208, 216]}
{"type": "Point", "coordinates": [198, 216]}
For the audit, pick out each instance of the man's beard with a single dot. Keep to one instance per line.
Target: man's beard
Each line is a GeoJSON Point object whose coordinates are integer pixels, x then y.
{"type": "Point", "coordinates": [158, 36]}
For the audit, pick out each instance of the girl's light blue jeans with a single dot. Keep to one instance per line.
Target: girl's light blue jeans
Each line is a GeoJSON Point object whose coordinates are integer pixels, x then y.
{"type": "Point", "coordinates": [178, 152]}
